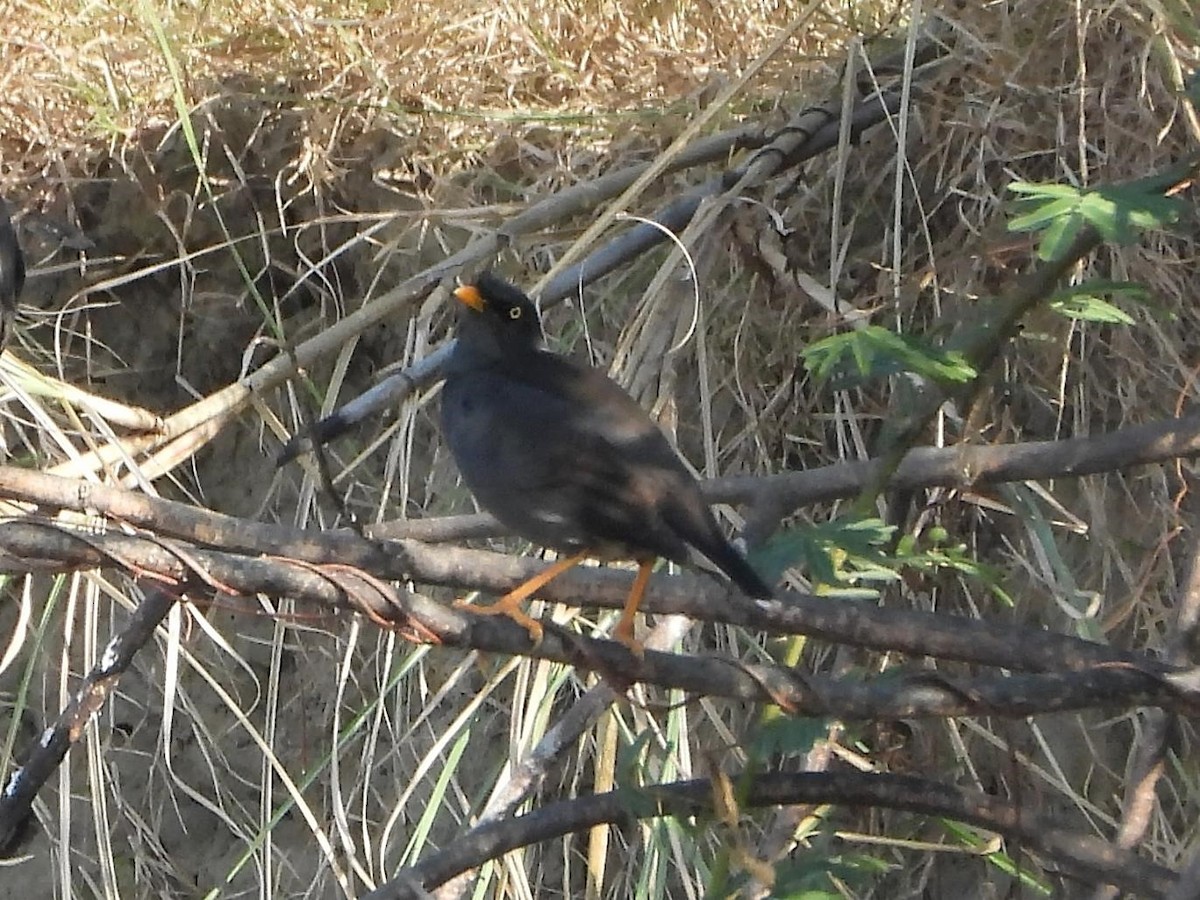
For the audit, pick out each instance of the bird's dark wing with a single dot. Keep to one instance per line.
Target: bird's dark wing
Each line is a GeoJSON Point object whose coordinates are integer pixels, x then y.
{"type": "Point", "coordinates": [538, 463]}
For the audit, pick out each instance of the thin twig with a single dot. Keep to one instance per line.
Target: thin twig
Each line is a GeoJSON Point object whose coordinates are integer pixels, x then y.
{"type": "Point", "coordinates": [24, 782]}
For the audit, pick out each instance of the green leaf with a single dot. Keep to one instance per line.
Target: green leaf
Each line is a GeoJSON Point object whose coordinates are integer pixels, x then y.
{"type": "Point", "coordinates": [1048, 190]}
{"type": "Point", "coordinates": [1058, 236]}
{"type": "Point", "coordinates": [1001, 860]}
{"type": "Point", "coordinates": [835, 555]}
{"type": "Point", "coordinates": [785, 735]}
{"type": "Point", "coordinates": [1089, 308]}
{"type": "Point", "coordinates": [631, 763]}
{"type": "Point", "coordinates": [1084, 301]}
{"type": "Point", "coordinates": [939, 557]}
{"type": "Point", "coordinates": [844, 558]}
{"type": "Point", "coordinates": [807, 876]}
{"type": "Point", "coordinates": [1041, 216]}
{"type": "Point", "coordinates": [1118, 212]}
{"type": "Point", "coordinates": [873, 352]}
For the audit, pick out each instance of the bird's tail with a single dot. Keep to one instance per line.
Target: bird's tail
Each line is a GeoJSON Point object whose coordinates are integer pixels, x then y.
{"type": "Point", "coordinates": [730, 561]}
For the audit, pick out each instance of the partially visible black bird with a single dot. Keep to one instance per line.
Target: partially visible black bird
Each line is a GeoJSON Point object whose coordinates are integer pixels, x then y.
{"type": "Point", "coordinates": [12, 274]}
{"type": "Point", "coordinates": [560, 454]}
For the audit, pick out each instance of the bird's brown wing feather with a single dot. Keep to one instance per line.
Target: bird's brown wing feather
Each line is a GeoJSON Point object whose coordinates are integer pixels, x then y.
{"type": "Point", "coordinates": [614, 469]}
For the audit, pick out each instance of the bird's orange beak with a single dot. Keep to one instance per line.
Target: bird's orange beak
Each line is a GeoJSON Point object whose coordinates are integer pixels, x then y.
{"type": "Point", "coordinates": [469, 294]}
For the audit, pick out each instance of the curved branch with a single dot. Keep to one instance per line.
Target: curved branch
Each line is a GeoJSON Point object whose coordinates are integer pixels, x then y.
{"type": "Point", "coordinates": [963, 466]}
{"type": "Point", "coordinates": [990, 330]}
{"type": "Point", "coordinates": [1086, 857]}
{"type": "Point", "coordinates": [771, 496]}
{"type": "Point", "coordinates": [31, 544]}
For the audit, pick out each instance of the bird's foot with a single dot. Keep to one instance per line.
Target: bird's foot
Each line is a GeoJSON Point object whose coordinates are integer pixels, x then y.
{"type": "Point", "coordinates": [510, 607]}
{"type": "Point", "coordinates": [623, 634]}
{"type": "Point", "coordinates": [624, 630]}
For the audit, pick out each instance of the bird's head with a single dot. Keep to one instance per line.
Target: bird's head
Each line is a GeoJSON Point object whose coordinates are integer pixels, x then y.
{"type": "Point", "coordinates": [498, 317]}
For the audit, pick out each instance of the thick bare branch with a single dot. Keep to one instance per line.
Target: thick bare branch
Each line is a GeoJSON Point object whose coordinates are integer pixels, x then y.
{"type": "Point", "coordinates": [964, 467]}
{"type": "Point", "coordinates": [30, 544]}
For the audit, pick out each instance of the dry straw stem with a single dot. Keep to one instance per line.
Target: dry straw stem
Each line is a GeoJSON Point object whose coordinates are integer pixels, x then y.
{"type": "Point", "coordinates": [26, 780]}
{"type": "Point", "coordinates": [523, 778]}
{"type": "Point", "coordinates": [1150, 756]}
{"type": "Point", "coordinates": [225, 404]}
{"type": "Point", "coordinates": [692, 130]}
{"type": "Point", "coordinates": [218, 409]}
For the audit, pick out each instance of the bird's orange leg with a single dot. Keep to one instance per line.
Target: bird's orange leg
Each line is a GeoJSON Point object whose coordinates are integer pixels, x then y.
{"type": "Point", "coordinates": [624, 630]}
{"type": "Point", "coordinates": [510, 604]}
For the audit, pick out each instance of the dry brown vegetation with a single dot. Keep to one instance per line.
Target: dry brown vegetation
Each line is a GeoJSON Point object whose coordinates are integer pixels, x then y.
{"type": "Point", "coordinates": [203, 185]}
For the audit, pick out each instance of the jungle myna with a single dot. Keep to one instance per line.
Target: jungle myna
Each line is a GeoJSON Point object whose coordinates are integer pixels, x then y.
{"type": "Point", "coordinates": [561, 455]}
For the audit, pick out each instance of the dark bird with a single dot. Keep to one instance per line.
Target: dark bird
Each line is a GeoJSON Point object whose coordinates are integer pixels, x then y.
{"type": "Point", "coordinates": [562, 456]}
{"type": "Point", "coordinates": [12, 274]}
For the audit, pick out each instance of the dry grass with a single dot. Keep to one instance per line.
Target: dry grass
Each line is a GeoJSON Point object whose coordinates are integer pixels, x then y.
{"type": "Point", "coordinates": [343, 147]}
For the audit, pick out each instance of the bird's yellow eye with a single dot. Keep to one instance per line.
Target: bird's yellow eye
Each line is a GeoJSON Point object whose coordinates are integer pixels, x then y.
{"type": "Point", "coordinates": [514, 313]}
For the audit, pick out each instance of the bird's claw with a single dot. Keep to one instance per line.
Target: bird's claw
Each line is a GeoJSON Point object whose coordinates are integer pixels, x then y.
{"type": "Point", "coordinates": [512, 610]}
